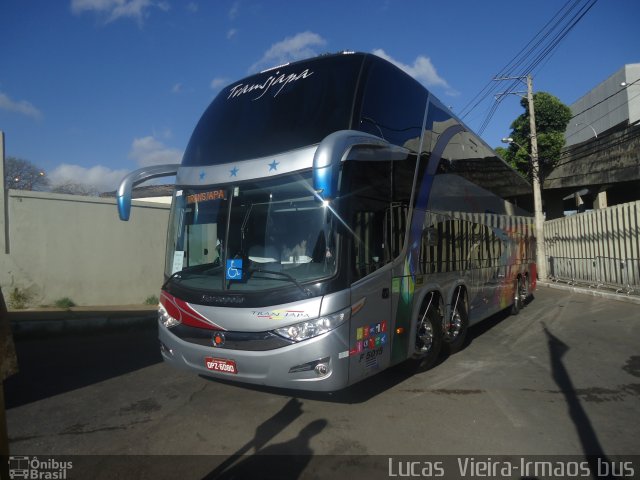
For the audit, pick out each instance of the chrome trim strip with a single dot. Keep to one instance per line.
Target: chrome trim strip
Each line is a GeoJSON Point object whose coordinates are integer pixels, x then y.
{"type": "Point", "coordinates": [263, 167]}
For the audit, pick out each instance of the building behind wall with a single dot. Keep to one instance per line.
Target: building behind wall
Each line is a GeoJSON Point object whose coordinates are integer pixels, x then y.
{"type": "Point", "coordinates": [600, 165]}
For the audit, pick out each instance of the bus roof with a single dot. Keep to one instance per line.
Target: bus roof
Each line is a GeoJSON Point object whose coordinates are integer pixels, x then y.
{"type": "Point", "coordinates": [297, 105]}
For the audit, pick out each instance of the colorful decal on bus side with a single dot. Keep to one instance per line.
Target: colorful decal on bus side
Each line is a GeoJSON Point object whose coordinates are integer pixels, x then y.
{"type": "Point", "coordinates": [369, 337]}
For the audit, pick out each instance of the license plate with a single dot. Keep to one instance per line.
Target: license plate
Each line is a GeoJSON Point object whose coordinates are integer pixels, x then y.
{"type": "Point", "coordinates": [221, 365]}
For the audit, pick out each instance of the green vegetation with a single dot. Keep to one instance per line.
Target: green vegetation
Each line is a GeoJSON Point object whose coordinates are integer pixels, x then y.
{"type": "Point", "coordinates": [152, 300]}
{"type": "Point", "coordinates": [552, 118]}
{"type": "Point", "coordinates": [64, 302]}
{"type": "Point", "coordinates": [19, 299]}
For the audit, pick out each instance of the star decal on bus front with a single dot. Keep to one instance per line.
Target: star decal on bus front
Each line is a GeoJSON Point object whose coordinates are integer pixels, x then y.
{"type": "Point", "coordinates": [273, 166]}
{"type": "Point", "coordinates": [202, 175]}
{"type": "Point", "coordinates": [234, 171]}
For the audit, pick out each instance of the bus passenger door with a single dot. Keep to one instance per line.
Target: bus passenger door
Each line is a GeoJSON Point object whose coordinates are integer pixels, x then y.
{"type": "Point", "coordinates": [377, 199]}
{"type": "Point", "coordinates": [370, 346]}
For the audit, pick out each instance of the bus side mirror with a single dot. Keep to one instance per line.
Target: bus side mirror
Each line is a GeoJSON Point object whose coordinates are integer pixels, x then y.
{"type": "Point", "coordinates": [123, 196]}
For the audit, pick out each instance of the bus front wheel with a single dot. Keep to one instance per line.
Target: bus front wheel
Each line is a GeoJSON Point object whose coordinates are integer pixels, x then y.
{"type": "Point", "coordinates": [428, 341]}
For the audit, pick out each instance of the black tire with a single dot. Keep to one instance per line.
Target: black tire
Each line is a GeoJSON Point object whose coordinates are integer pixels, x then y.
{"type": "Point", "coordinates": [524, 291]}
{"type": "Point", "coordinates": [428, 340]}
{"type": "Point", "coordinates": [456, 326]}
{"type": "Point", "coordinates": [517, 299]}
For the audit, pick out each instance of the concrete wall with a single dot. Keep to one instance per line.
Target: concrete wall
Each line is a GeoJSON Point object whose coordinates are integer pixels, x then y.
{"type": "Point", "coordinates": [72, 246]}
{"type": "Point", "coordinates": [632, 78]}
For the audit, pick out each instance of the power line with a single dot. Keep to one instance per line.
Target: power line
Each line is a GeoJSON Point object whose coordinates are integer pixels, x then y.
{"type": "Point", "coordinates": [544, 43]}
{"type": "Point", "coordinates": [562, 34]}
{"type": "Point", "coordinates": [608, 112]}
{"type": "Point", "coordinates": [507, 70]}
{"type": "Point", "coordinates": [527, 69]}
{"type": "Point", "coordinates": [549, 48]}
{"type": "Point", "coordinates": [609, 168]}
{"type": "Point", "coordinates": [612, 144]}
{"type": "Point", "coordinates": [606, 98]}
{"type": "Point", "coordinates": [602, 145]}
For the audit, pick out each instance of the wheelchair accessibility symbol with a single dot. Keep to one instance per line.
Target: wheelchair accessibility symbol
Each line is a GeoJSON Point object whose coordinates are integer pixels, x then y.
{"type": "Point", "coordinates": [234, 269]}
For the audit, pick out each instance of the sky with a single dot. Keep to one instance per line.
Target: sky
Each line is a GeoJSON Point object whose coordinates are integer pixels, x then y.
{"type": "Point", "coordinates": [93, 89]}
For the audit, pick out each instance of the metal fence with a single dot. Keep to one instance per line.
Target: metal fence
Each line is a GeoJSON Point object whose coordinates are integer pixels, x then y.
{"type": "Point", "coordinates": [600, 248]}
{"type": "Point", "coordinates": [621, 274]}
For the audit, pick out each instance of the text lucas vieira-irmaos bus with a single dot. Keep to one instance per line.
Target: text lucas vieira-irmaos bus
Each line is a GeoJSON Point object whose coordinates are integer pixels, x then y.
{"type": "Point", "coordinates": [332, 218]}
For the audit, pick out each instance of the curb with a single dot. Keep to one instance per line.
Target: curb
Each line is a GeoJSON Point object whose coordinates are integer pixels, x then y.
{"type": "Point", "coordinates": [620, 297]}
{"type": "Point", "coordinates": [33, 323]}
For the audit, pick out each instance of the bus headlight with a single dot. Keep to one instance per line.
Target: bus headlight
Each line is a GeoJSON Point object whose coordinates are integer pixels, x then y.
{"type": "Point", "coordinates": [313, 328]}
{"type": "Point", "coordinates": [166, 319]}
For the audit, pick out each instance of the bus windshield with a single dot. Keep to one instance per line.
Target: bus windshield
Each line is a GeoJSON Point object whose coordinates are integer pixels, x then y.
{"type": "Point", "coordinates": [256, 235]}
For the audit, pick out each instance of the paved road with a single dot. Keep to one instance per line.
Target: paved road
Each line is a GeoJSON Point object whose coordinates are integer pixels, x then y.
{"type": "Point", "coordinates": [561, 378]}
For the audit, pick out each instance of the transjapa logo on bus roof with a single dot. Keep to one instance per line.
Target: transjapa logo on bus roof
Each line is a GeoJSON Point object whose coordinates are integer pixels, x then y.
{"type": "Point", "coordinates": [273, 81]}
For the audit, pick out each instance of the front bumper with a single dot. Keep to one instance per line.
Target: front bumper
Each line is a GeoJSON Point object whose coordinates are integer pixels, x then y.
{"type": "Point", "coordinates": [279, 367]}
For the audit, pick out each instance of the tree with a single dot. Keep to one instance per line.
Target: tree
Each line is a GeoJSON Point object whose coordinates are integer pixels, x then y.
{"type": "Point", "coordinates": [21, 174]}
{"type": "Point", "coordinates": [552, 118]}
{"type": "Point", "coordinates": [73, 188]}
{"type": "Point", "coordinates": [503, 152]}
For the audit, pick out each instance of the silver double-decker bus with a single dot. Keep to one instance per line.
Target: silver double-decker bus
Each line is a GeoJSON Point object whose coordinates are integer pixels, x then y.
{"type": "Point", "coordinates": [332, 218]}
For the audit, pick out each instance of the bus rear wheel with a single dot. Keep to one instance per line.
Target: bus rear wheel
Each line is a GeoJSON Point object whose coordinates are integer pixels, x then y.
{"type": "Point", "coordinates": [524, 290]}
{"type": "Point", "coordinates": [455, 328]}
{"type": "Point", "coordinates": [517, 298]}
{"type": "Point", "coordinates": [428, 341]}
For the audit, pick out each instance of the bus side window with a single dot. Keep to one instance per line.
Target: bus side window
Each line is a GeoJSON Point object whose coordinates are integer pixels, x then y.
{"type": "Point", "coordinates": [438, 237]}
{"type": "Point", "coordinates": [379, 193]}
{"type": "Point", "coordinates": [466, 244]}
{"type": "Point", "coordinates": [370, 200]}
{"type": "Point", "coordinates": [395, 227]}
{"type": "Point", "coordinates": [487, 243]}
{"type": "Point", "coordinates": [476, 246]}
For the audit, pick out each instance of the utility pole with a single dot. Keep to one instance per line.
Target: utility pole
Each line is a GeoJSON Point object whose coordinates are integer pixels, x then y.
{"type": "Point", "coordinates": [4, 203]}
{"type": "Point", "coordinates": [541, 255]}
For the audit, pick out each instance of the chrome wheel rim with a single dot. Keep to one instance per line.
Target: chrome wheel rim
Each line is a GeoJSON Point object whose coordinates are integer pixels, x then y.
{"type": "Point", "coordinates": [518, 299]}
{"type": "Point", "coordinates": [424, 337]}
{"type": "Point", "coordinates": [454, 325]}
{"type": "Point", "coordinates": [524, 291]}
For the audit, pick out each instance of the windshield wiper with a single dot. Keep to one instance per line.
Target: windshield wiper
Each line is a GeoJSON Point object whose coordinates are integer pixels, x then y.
{"type": "Point", "coordinates": [193, 269]}
{"type": "Point", "coordinates": [304, 290]}
{"type": "Point", "coordinates": [243, 227]}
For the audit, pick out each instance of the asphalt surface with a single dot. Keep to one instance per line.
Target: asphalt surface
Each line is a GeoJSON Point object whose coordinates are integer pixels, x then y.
{"type": "Point", "coordinates": [560, 378]}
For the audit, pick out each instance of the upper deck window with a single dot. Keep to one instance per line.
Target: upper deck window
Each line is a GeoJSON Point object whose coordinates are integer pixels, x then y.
{"type": "Point", "coordinates": [276, 111]}
{"type": "Point", "coordinates": [393, 105]}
